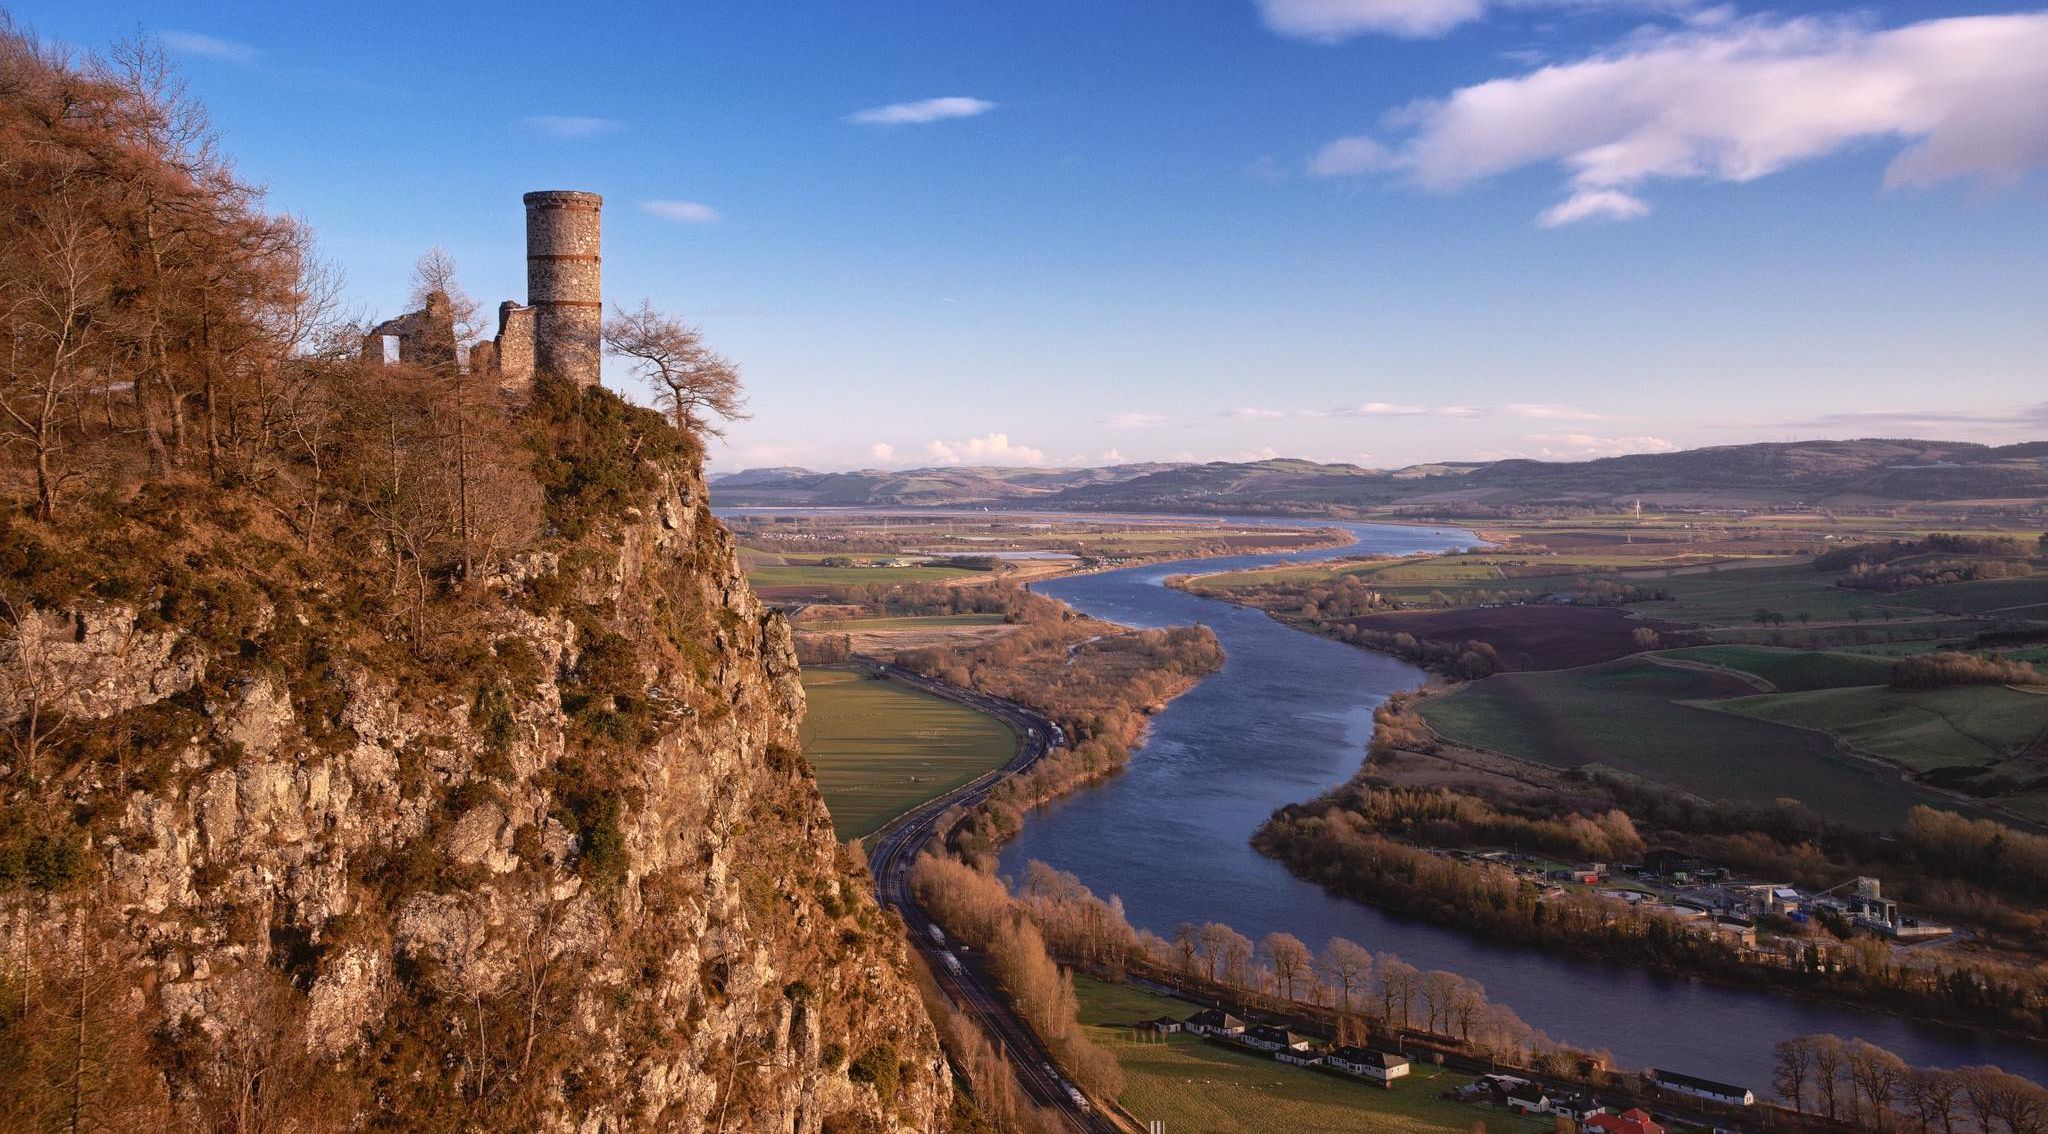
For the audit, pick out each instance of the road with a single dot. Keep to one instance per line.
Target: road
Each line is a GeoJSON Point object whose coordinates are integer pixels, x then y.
{"type": "Point", "coordinates": [893, 849]}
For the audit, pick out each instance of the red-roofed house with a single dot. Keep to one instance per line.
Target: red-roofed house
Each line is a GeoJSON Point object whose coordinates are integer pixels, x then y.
{"type": "Point", "coordinates": [1630, 1121]}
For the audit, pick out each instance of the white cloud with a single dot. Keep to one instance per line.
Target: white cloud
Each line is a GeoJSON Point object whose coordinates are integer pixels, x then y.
{"type": "Point", "coordinates": [1583, 446]}
{"type": "Point", "coordinates": [882, 451]}
{"type": "Point", "coordinates": [992, 448]}
{"type": "Point", "coordinates": [196, 45]}
{"type": "Point", "coordinates": [687, 212]}
{"type": "Point", "coordinates": [1246, 456]}
{"type": "Point", "coordinates": [1350, 157]}
{"type": "Point", "coordinates": [1334, 21]}
{"type": "Point", "coordinates": [1376, 409]}
{"type": "Point", "coordinates": [1136, 420]}
{"type": "Point", "coordinates": [918, 113]}
{"type": "Point", "coordinates": [1112, 457]}
{"type": "Point", "coordinates": [1734, 100]}
{"type": "Point", "coordinates": [570, 127]}
{"type": "Point", "coordinates": [1610, 204]}
{"type": "Point", "coordinates": [1254, 413]}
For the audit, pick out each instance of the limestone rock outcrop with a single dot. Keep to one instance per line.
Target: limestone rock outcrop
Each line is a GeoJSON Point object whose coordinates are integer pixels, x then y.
{"type": "Point", "coordinates": [453, 907]}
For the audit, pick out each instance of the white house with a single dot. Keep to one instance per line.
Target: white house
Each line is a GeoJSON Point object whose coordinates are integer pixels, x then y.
{"type": "Point", "coordinates": [1367, 1063]}
{"type": "Point", "coordinates": [1700, 1088]}
{"type": "Point", "coordinates": [1268, 1038]}
{"type": "Point", "coordinates": [1215, 1022]}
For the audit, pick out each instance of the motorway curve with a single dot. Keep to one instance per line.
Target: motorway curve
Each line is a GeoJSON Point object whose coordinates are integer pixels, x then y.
{"type": "Point", "coordinates": [896, 846]}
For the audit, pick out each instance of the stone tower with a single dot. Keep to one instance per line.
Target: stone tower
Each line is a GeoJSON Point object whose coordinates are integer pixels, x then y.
{"type": "Point", "coordinates": [563, 275]}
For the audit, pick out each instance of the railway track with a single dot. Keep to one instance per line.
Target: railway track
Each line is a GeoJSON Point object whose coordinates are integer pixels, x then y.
{"type": "Point", "coordinates": [896, 846]}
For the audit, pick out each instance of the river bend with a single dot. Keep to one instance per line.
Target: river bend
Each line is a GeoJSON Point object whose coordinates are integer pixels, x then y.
{"type": "Point", "coordinates": [1288, 717]}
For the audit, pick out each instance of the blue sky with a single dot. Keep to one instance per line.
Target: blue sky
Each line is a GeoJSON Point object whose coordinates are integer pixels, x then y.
{"type": "Point", "coordinates": [1380, 231]}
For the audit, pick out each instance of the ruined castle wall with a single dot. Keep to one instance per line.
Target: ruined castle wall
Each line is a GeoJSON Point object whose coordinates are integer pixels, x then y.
{"type": "Point", "coordinates": [563, 284]}
{"type": "Point", "coordinates": [515, 346]}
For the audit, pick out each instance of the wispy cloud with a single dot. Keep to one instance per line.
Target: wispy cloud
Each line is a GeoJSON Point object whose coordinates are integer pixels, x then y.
{"type": "Point", "coordinates": [1534, 410]}
{"type": "Point", "coordinates": [2032, 417]}
{"type": "Point", "coordinates": [1350, 157]}
{"type": "Point", "coordinates": [1334, 21]}
{"type": "Point", "coordinates": [1734, 100]}
{"type": "Point", "coordinates": [684, 212]}
{"type": "Point", "coordinates": [198, 45]}
{"type": "Point", "coordinates": [1607, 204]}
{"type": "Point", "coordinates": [918, 113]}
{"type": "Point", "coordinates": [1375, 409]}
{"type": "Point", "coordinates": [1136, 420]}
{"type": "Point", "coordinates": [573, 127]}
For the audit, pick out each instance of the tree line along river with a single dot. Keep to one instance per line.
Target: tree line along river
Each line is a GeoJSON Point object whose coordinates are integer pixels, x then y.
{"type": "Point", "coordinates": [1288, 717]}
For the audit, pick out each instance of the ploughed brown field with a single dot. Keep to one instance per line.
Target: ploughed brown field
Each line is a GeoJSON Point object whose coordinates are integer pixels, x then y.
{"type": "Point", "coordinates": [1533, 637]}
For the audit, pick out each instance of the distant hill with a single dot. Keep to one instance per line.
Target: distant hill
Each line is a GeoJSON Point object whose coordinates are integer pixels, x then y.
{"type": "Point", "coordinates": [1764, 474]}
{"type": "Point", "coordinates": [911, 487]}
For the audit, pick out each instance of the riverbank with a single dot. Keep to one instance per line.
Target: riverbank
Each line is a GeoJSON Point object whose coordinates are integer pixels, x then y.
{"type": "Point", "coordinates": [1284, 721]}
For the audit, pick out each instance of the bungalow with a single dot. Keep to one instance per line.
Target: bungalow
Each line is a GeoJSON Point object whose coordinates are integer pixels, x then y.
{"type": "Point", "coordinates": [1299, 1056]}
{"type": "Point", "coordinates": [1700, 1088]}
{"type": "Point", "coordinates": [1630, 1121]}
{"type": "Point", "coordinates": [1268, 1038]}
{"type": "Point", "coordinates": [1527, 1098]}
{"type": "Point", "coordinates": [1164, 1025]}
{"type": "Point", "coordinates": [1364, 1061]}
{"type": "Point", "coordinates": [1214, 1022]}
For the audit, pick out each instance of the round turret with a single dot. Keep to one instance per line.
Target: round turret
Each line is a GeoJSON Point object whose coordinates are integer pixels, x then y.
{"type": "Point", "coordinates": [563, 282]}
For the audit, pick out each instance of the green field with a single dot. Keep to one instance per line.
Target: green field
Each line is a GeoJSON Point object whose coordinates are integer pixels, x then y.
{"type": "Point", "coordinates": [881, 747]}
{"type": "Point", "coordinates": [1993, 594]}
{"type": "Point", "coordinates": [1198, 1087]}
{"type": "Point", "coordinates": [1977, 725]}
{"type": "Point", "coordinates": [849, 576]}
{"type": "Point", "coordinates": [1792, 670]}
{"type": "Point", "coordinates": [1631, 716]}
{"type": "Point", "coordinates": [1732, 598]}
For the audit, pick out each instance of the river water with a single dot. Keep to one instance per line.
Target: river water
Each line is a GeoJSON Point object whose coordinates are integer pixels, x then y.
{"type": "Point", "coordinates": [1287, 718]}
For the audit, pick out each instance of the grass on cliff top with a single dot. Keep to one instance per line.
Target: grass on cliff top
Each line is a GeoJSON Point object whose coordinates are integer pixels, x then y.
{"type": "Point", "coordinates": [881, 747]}
{"type": "Point", "coordinates": [1199, 1087]}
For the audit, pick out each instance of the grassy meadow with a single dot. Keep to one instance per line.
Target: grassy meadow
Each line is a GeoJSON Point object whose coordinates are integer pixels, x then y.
{"type": "Point", "coordinates": [1633, 716]}
{"type": "Point", "coordinates": [1792, 671]}
{"type": "Point", "coordinates": [1981, 725]}
{"type": "Point", "coordinates": [1198, 1087]}
{"type": "Point", "coordinates": [812, 575]}
{"type": "Point", "coordinates": [880, 747]}
{"type": "Point", "coordinates": [901, 622]}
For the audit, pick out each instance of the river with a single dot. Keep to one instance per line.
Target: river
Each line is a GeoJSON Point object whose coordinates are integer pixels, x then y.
{"type": "Point", "coordinates": [1287, 718]}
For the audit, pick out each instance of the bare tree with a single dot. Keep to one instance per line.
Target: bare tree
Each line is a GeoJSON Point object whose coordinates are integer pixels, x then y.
{"type": "Point", "coordinates": [434, 274]}
{"type": "Point", "coordinates": [53, 277]}
{"type": "Point", "coordinates": [690, 380]}
{"type": "Point", "coordinates": [1290, 959]}
{"type": "Point", "coordinates": [1346, 965]}
{"type": "Point", "coordinates": [1876, 1075]}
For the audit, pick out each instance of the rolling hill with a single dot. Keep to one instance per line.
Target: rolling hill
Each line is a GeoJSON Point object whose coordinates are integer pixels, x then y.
{"type": "Point", "coordinates": [1799, 472]}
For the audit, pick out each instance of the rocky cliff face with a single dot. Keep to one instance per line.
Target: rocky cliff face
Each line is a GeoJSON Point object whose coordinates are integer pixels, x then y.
{"type": "Point", "coordinates": [590, 888]}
